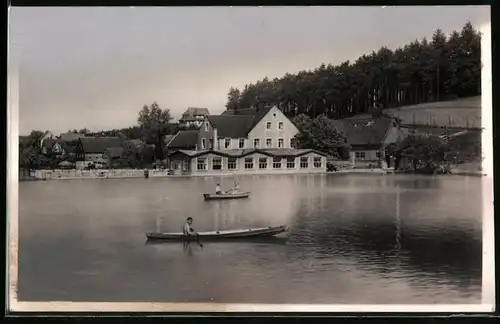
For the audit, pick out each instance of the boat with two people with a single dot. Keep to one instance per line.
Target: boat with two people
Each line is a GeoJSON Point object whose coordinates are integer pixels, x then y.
{"type": "Point", "coordinates": [234, 193]}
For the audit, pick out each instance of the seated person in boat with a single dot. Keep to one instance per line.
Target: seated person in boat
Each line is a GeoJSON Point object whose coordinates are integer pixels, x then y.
{"type": "Point", "coordinates": [187, 229]}
{"type": "Point", "coordinates": [218, 191]}
{"type": "Point", "coordinates": [236, 187]}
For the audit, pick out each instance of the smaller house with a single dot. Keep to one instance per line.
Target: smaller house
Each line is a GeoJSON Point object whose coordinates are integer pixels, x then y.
{"type": "Point", "coordinates": [91, 149]}
{"type": "Point", "coordinates": [54, 147]}
{"type": "Point", "coordinates": [193, 117]}
{"type": "Point", "coordinates": [368, 137]}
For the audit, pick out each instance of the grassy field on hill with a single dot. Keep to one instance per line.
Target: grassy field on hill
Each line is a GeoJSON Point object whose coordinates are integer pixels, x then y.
{"type": "Point", "coordinates": [464, 112]}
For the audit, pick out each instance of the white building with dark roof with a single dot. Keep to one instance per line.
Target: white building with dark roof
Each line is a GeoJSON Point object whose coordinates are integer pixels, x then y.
{"type": "Point", "coordinates": [253, 141]}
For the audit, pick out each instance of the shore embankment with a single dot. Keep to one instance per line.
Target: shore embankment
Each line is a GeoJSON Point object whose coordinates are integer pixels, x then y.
{"type": "Point", "coordinates": [93, 174]}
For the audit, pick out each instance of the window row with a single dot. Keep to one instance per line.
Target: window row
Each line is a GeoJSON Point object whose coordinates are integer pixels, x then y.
{"type": "Point", "coordinates": [261, 163]}
{"type": "Point", "coordinates": [241, 143]}
{"type": "Point", "coordinates": [269, 125]}
{"type": "Point", "coordinates": [362, 155]}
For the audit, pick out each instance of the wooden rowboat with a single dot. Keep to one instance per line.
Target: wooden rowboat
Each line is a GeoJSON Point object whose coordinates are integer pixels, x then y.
{"type": "Point", "coordinates": [220, 235]}
{"type": "Point", "coordinates": [238, 195]}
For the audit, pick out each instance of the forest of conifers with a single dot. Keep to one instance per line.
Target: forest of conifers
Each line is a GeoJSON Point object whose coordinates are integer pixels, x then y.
{"type": "Point", "coordinates": [443, 68]}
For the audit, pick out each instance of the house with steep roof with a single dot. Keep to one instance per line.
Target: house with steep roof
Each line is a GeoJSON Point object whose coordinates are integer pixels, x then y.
{"type": "Point", "coordinates": [193, 117]}
{"type": "Point", "coordinates": [91, 149]}
{"type": "Point", "coordinates": [249, 141]}
{"type": "Point", "coordinates": [369, 137]}
{"type": "Point", "coordinates": [54, 147]}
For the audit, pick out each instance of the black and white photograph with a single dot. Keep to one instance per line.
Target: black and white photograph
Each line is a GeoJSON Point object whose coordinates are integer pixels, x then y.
{"type": "Point", "coordinates": [235, 159]}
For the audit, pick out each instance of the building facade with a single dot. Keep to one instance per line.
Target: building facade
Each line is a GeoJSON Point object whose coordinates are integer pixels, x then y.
{"type": "Point", "coordinates": [251, 161]}
{"type": "Point", "coordinates": [250, 141]}
{"type": "Point", "coordinates": [369, 137]}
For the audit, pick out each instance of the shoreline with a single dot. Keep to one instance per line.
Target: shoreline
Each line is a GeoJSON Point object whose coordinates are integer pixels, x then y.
{"type": "Point", "coordinates": [51, 175]}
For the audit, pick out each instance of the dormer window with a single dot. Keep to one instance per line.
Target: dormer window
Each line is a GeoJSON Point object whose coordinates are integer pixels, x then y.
{"type": "Point", "coordinates": [268, 125]}
{"type": "Point", "coordinates": [206, 126]}
{"type": "Point", "coordinates": [280, 125]}
{"type": "Point", "coordinates": [227, 143]}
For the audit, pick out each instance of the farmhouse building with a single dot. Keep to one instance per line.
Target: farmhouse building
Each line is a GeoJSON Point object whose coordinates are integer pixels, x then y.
{"type": "Point", "coordinates": [369, 137]}
{"type": "Point", "coordinates": [91, 149]}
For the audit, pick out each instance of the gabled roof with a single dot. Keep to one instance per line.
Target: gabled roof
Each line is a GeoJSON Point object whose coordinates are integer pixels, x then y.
{"type": "Point", "coordinates": [232, 126]}
{"type": "Point", "coordinates": [99, 144]}
{"type": "Point", "coordinates": [364, 129]}
{"type": "Point", "coordinates": [238, 124]}
{"type": "Point", "coordinates": [68, 137]}
{"type": "Point", "coordinates": [114, 152]}
{"type": "Point", "coordinates": [137, 143]}
{"type": "Point", "coordinates": [184, 139]}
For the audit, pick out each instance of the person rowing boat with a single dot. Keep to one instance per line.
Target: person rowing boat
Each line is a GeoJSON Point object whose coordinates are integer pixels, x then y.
{"type": "Point", "coordinates": [218, 191]}
{"type": "Point", "coordinates": [189, 231]}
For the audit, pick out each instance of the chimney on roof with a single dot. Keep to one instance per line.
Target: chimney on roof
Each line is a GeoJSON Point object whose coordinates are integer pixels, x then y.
{"type": "Point", "coordinates": [215, 140]}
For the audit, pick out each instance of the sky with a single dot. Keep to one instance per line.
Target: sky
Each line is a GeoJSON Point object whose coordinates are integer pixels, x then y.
{"type": "Point", "coordinates": [95, 67]}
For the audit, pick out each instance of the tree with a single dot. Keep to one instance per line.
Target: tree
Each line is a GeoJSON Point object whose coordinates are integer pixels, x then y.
{"type": "Point", "coordinates": [426, 152]}
{"type": "Point", "coordinates": [320, 134]}
{"type": "Point", "coordinates": [233, 98]}
{"type": "Point", "coordinates": [421, 71]}
{"type": "Point", "coordinates": [155, 124]}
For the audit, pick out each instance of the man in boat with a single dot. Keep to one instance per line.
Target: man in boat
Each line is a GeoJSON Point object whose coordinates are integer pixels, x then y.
{"type": "Point", "coordinates": [187, 229]}
{"type": "Point", "coordinates": [236, 187]}
{"type": "Point", "coordinates": [218, 191]}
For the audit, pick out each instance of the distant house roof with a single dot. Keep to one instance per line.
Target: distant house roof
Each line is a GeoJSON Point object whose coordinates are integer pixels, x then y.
{"type": "Point", "coordinates": [244, 111]}
{"type": "Point", "coordinates": [238, 124]}
{"type": "Point", "coordinates": [191, 112]}
{"type": "Point", "coordinates": [364, 130]}
{"type": "Point", "coordinates": [136, 142]}
{"type": "Point", "coordinates": [99, 144]}
{"type": "Point", "coordinates": [184, 139]}
{"type": "Point", "coordinates": [114, 152]}
{"type": "Point", "coordinates": [242, 153]}
{"type": "Point", "coordinates": [68, 137]}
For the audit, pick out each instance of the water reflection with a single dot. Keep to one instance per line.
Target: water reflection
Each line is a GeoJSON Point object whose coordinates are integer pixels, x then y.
{"type": "Point", "coordinates": [353, 239]}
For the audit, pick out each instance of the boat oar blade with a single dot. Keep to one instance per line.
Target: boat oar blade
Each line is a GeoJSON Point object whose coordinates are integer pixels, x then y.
{"type": "Point", "coordinates": [198, 240]}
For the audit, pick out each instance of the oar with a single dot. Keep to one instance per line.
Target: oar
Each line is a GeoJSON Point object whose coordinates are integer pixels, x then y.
{"type": "Point", "coordinates": [198, 240]}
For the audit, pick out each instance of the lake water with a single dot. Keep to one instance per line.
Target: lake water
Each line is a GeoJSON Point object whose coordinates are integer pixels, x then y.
{"type": "Point", "coordinates": [350, 241]}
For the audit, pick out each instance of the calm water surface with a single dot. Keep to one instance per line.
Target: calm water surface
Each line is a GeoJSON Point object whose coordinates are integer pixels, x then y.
{"type": "Point", "coordinates": [350, 240]}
